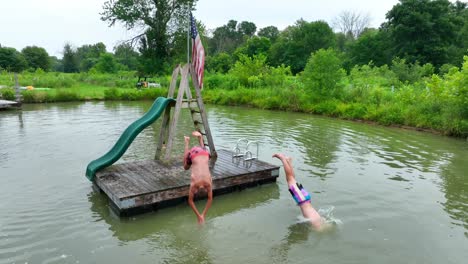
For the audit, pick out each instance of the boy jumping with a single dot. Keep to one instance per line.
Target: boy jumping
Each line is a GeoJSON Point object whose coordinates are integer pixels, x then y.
{"type": "Point", "coordinates": [200, 179]}
{"type": "Point", "coordinates": [300, 195]}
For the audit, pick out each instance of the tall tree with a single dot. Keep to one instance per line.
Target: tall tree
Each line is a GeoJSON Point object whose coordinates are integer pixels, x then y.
{"type": "Point", "coordinates": [270, 32]}
{"type": "Point", "coordinates": [155, 17]}
{"type": "Point", "coordinates": [88, 55]}
{"type": "Point", "coordinates": [372, 45]}
{"type": "Point", "coordinates": [297, 42]}
{"type": "Point", "coordinates": [107, 63]}
{"type": "Point", "coordinates": [36, 57]}
{"type": "Point", "coordinates": [351, 23]}
{"type": "Point", "coordinates": [12, 60]}
{"type": "Point", "coordinates": [126, 55]}
{"type": "Point", "coordinates": [69, 61]}
{"type": "Point", "coordinates": [422, 30]}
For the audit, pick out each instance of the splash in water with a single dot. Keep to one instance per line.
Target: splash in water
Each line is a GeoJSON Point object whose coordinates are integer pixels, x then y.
{"type": "Point", "coordinates": [327, 217]}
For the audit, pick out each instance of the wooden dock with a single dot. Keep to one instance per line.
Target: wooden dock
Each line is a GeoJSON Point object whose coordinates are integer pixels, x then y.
{"type": "Point", "coordinates": [4, 104]}
{"type": "Point", "coordinates": [141, 186]}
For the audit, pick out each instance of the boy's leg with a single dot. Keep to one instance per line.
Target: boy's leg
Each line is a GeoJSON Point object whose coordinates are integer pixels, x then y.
{"type": "Point", "coordinates": [288, 169]}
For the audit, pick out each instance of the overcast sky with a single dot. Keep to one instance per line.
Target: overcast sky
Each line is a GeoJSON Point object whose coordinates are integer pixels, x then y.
{"type": "Point", "coordinates": [52, 23]}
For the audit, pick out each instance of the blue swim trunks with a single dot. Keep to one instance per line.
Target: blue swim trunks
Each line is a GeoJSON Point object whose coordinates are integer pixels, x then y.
{"type": "Point", "coordinates": [299, 194]}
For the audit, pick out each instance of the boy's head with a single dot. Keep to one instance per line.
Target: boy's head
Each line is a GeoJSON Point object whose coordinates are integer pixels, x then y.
{"type": "Point", "coordinates": [201, 191]}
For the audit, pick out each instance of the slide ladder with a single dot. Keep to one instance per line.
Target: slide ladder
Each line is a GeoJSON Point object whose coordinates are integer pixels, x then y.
{"type": "Point", "coordinates": [197, 110]}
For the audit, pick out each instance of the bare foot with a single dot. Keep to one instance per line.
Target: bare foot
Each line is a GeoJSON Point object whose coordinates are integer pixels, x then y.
{"type": "Point", "coordinates": [196, 134]}
{"type": "Point", "coordinates": [279, 156]}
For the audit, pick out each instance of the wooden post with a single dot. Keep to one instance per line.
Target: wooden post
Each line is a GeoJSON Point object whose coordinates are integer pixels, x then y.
{"type": "Point", "coordinates": [17, 89]}
{"type": "Point", "coordinates": [175, 116]}
{"type": "Point", "coordinates": [163, 134]}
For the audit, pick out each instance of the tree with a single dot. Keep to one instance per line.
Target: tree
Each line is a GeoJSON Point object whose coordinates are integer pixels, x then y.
{"type": "Point", "coordinates": [220, 62]}
{"type": "Point", "coordinates": [88, 55]}
{"type": "Point", "coordinates": [69, 61]}
{"type": "Point", "coordinates": [12, 60]}
{"type": "Point", "coordinates": [106, 64]}
{"type": "Point", "coordinates": [230, 36]}
{"type": "Point", "coordinates": [372, 45]}
{"type": "Point", "coordinates": [56, 64]}
{"type": "Point", "coordinates": [352, 23]}
{"type": "Point", "coordinates": [247, 29]}
{"type": "Point", "coordinates": [36, 57]}
{"type": "Point", "coordinates": [155, 17]}
{"type": "Point", "coordinates": [422, 30]}
{"type": "Point", "coordinates": [126, 55]}
{"type": "Point", "coordinates": [323, 73]}
{"type": "Point", "coordinates": [302, 38]}
{"type": "Point", "coordinates": [270, 32]}
{"type": "Point", "coordinates": [254, 46]}
{"type": "Point", "coordinates": [225, 38]}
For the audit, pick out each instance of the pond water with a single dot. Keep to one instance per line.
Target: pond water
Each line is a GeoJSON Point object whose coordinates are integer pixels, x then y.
{"type": "Point", "coordinates": [396, 196]}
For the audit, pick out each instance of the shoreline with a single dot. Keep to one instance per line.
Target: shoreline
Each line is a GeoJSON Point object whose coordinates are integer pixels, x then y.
{"type": "Point", "coordinates": [375, 123]}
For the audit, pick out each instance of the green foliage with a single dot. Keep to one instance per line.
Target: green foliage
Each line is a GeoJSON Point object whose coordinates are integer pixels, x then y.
{"type": "Point", "coordinates": [371, 46]}
{"type": "Point", "coordinates": [253, 46]}
{"type": "Point", "coordinates": [296, 41]}
{"type": "Point", "coordinates": [411, 72]}
{"type": "Point", "coordinates": [156, 17]}
{"type": "Point", "coordinates": [7, 94]}
{"type": "Point", "coordinates": [223, 81]}
{"type": "Point", "coordinates": [66, 95]}
{"type": "Point", "coordinates": [253, 72]}
{"type": "Point", "coordinates": [248, 67]}
{"type": "Point", "coordinates": [323, 74]}
{"type": "Point", "coordinates": [126, 55]}
{"type": "Point", "coordinates": [36, 57]}
{"type": "Point", "coordinates": [220, 62]}
{"type": "Point", "coordinates": [270, 32]}
{"type": "Point", "coordinates": [422, 30]}
{"type": "Point", "coordinates": [70, 59]}
{"type": "Point", "coordinates": [12, 60]}
{"type": "Point", "coordinates": [107, 64]}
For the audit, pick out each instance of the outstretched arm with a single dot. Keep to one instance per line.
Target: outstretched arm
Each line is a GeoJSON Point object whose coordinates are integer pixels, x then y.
{"type": "Point", "coordinates": [199, 136]}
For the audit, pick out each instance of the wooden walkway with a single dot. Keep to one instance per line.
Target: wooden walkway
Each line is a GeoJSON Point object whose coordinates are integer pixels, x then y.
{"type": "Point", "coordinates": [8, 104]}
{"type": "Point", "coordinates": [141, 186]}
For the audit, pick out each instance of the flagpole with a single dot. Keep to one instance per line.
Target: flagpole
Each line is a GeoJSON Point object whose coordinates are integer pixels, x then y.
{"type": "Point", "coordinates": [188, 36]}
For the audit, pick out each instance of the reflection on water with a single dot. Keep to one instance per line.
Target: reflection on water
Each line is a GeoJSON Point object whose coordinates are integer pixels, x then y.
{"type": "Point", "coordinates": [401, 195]}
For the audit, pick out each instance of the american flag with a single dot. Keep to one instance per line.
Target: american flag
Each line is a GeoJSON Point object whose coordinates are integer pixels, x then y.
{"type": "Point", "coordinates": [198, 52]}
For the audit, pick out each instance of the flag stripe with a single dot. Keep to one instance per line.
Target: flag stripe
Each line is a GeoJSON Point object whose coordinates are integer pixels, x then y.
{"type": "Point", "coordinates": [198, 53]}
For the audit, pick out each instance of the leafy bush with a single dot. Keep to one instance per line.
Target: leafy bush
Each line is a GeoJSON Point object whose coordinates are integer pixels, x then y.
{"type": "Point", "coordinates": [8, 94]}
{"type": "Point", "coordinates": [323, 74]}
{"type": "Point", "coordinates": [64, 95]}
{"type": "Point", "coordinates": [111, 94]}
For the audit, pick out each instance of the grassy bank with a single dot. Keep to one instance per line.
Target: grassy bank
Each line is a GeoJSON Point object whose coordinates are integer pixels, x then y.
{"type": "Point", "coordinates": [399, 95]}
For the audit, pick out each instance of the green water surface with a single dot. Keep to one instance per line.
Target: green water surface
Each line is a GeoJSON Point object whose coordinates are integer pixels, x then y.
{"type": "Point", "coordinates": [395, 196]}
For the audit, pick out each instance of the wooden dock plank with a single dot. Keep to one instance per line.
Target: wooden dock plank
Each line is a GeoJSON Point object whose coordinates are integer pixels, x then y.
{"type": "Point", "coordinates": [8, 104]}
{"type": "Point", "coordinates": [145, 185]}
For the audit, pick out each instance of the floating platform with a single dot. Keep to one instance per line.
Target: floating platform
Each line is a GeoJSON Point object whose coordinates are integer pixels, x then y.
{"type": "Point", "coordinates": [141, 186]}
{"type": "Point", "coordinates": [8, 104]}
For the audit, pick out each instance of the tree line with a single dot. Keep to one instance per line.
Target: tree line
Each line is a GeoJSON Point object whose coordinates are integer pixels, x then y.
{"type": "Point", "coordinates": [416, 32]}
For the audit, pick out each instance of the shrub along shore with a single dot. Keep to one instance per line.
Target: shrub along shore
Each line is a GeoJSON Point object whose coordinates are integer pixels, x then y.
{"type": "Point", "coordinates": [406, 95]}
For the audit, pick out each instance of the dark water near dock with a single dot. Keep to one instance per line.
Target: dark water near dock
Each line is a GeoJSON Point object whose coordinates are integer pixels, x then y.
{"type": "Point", "coordinates": [397, 196]}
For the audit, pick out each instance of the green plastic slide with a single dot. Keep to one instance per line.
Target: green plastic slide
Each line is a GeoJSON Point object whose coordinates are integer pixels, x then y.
{"type": "Point", "coordinates": [127, 137]}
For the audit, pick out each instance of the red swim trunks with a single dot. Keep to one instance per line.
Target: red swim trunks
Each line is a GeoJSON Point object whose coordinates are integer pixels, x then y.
{"type": "Point", "coordinates": [196, 151]}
